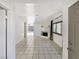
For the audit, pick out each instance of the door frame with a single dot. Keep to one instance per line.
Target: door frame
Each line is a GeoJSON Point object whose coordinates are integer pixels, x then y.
{"type": "Point", "coordinates": [70, 42]}
{"type": "Point", "coordinates": [51, 30]}
{"type": "Point", "coordinates": [6, 33]}
{"type": "Point", "coordinates": [65, 28]}
{"type": "Point", "coordinates": [5, 8]}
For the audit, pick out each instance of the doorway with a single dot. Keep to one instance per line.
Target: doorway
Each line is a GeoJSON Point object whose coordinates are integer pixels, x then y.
{"type": "Point", "coordinates": [3, 33]}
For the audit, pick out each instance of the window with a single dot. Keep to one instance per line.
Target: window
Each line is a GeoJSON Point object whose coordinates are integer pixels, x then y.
{"type": "Point", "coordinates": [57, 28]}
{"type": "Point", "coordinates": [54, 27]}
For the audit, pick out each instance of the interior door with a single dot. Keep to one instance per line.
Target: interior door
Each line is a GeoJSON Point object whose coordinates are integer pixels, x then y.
{"type": "Point", "coordinates": [73, 39]}
{"type": "Point", "coordinates": [2, 35]}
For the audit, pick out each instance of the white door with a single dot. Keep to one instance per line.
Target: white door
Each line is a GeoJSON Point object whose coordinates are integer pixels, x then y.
{"type": "Point", "coordinates": [73, 39]}
{"type": "Point", "coordinates": [2, 35]}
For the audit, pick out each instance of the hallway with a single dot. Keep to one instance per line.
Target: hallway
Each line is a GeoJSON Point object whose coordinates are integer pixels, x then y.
{"type": "Point", "coordinates": [39, 29]}
{"type": "Point", "coordinates": [37, 48]}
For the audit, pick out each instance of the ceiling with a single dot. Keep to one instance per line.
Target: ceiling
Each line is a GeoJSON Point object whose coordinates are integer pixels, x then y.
{"type": "Point", "coordinates": [43, 8]}
{"type": "Point", "coordinates": [39, 1]}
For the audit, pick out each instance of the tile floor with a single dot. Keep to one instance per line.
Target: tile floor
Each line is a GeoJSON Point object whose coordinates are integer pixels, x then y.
{"type": "Point", "coordinates": [37, 48]}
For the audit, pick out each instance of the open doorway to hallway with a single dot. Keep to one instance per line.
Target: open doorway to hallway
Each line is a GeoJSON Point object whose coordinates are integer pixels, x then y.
{"type": "Point", "coordinates": [39, 47]}
{"type": "Point", "coordinates": [37, 43]}
{"type": "Point", "coordinates": [30, 30]}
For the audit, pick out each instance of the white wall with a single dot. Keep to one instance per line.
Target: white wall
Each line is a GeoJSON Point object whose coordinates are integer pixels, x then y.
{"type": "Point", "coordinates": [37, 30]}
{"type": "Point", "coordinates": [58, 38]}
{"type": "Point", "coordinates": [19, 29]}
{"type": "Point", "coordinates": [20, 11]}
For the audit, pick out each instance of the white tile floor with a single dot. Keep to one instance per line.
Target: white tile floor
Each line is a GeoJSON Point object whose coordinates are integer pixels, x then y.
{"type": "Point", "coordinates": [37, 48]}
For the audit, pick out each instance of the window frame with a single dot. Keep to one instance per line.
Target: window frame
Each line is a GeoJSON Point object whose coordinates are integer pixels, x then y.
{"type": "Point", "coordinates": [56, 28]}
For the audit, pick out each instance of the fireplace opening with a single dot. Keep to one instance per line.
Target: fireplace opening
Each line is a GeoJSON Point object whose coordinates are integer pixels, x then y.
{"type": "Point", "coordinates": [44, 33]}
